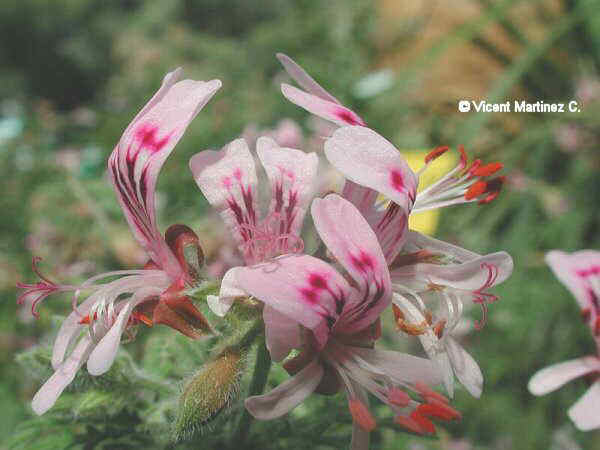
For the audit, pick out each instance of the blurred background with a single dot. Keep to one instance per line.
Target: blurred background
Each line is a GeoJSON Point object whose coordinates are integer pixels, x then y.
{"type": "Point", "coordinates": [74, 73]}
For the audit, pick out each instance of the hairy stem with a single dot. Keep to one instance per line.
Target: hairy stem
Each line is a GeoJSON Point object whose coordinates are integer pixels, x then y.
{"type": "Point", "coordinates": [257, 386]}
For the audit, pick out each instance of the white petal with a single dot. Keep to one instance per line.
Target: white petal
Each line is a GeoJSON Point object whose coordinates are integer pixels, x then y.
{"type": "Point", "coordinates": [105, 352]}
{"type": "Point", "coordinates": [287, 395]}
{"type": "Point", "coordinates": [555, 376]}
{"type": "Point", "coordinates": [465, 367]}
{"type": "Point", "coordinates": [45, 398]}
{"type": "Point", "coordinates": [585, 413]}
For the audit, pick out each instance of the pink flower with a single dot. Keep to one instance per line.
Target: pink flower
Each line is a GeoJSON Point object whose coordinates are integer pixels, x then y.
{"type": "Point", "coordinates": [424, 271]}
{"type": "Point", "coordinates": [228, 180]}
{"type": "Point", "coordinates": [153, 294]}
{"type": "Point", "coordinates": [580, 273]}
{"type": "Point", "coordinates": [342, 311]}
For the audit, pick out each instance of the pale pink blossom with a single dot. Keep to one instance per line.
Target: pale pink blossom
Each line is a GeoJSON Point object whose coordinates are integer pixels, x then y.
{"type": "Point", "coordinates": [338, 305]}
{"type": "Point", "coordinates": [580, 273]}
{"type": "Point", "coordinates": [150, 295]}
{"type": "Point", "coordinates": [424, 271]}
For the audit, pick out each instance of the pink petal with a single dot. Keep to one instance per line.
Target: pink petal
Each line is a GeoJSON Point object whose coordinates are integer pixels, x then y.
{"type": "Point", "coordinates": [390, 224]}
{"type": "Point", "coordinates": [291, 176]}
{"type": "Point", "coordinates": [325, 109]}
{"type": "Point", "coordinates": [465, 367]}
{"type": "Point", "coordinates": [573, 271]}
{"type": "Point", "coordinates": [301, 287]}
{"type": "Point", "coordinates": [304, 79]}
{"type": "Point", "coordinates": [145, 145]}
{"type": "Point", "coordinates": [228, 181]}
{"type": "Point", "coordinates": [105, 352]}
{"type": "Point", "coordinates": [368, 159]}
{"type": "Point", "coordinates": [287, 395]}
{"type": "Point", "coordinates": [584, 413]}
{"type": "Point", "coordinates": [469, 276]}
{"type": "Point", "coordinates": [353, 243]}
{"type": "Point", "coordinates": [555, 376]}
{"type": "Point", "coordinates": [45, 398]}
{"type": "Point", "coordinates": [281, 333]}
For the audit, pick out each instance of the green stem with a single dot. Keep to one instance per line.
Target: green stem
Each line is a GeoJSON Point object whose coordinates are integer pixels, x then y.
{"type": "Point", "coordinates": [257, 386]}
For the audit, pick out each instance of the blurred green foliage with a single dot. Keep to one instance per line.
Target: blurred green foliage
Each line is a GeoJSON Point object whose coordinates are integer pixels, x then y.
{"type": "Point", "coordinates": [76, 71]}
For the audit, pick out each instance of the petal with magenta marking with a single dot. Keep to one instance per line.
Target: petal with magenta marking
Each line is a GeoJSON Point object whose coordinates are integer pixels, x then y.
{"type": "Point", "coordinates": [353, 243]}
{"type": "Point", "coordinates": [366, 158]}
{"type": "Point", "coordinates": [301, 287]}
{"type": "Point", "coordinates": [145, 145]}
{"type": "Point", "coordinates": [291, 176]}
{"type": "Point", "coordinates": [227, 179]}
{"type": "Point", "coordinates": [325, 109]}
{"type": "Point", "coordinates": [574, 271]}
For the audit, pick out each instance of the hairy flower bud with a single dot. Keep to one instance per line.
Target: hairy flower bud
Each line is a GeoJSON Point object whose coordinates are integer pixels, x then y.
{"type": "Point", "coordinates": [209, 392]}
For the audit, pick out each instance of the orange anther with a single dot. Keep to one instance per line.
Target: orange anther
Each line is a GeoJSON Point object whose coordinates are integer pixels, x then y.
{"type": "Point", "coordinates": [488, 169]}
{"type": "Point", "coordinates": [435, 153]}
{"type": "Point", "coordinates": [438, 329]}
{"type": "Point", "coordinates": [476, 189]}
{"type": "Point", "coordinates": [489, 198]}
{"type": "Point", "coordinates": [361, 415]}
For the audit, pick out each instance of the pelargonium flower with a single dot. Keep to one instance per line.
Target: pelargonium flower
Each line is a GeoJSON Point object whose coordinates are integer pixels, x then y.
{"type": "Point", "coordinates": [151, 295]}
{"type": "Point", "coordinates": [337, 306]}
{"type": "Point", "coordinates": [228, 180]}
{"type": "Point", "coordinates": [580, 273]}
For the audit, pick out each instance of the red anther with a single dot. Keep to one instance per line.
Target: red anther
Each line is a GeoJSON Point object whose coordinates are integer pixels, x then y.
{"type": "Point", "coordinates": [489, 198]}
{"type": "Point", "coordinates": [438, 410]}
{"type": "Point", "coordinates": [476, 189]}
{"type": "Point", "coordinates": [398, 397]}
{"type": "Point", "coordinates": [463, 157]}
{"type": "Point", "coordinates": [586, 314]}
{"type": "Point", "coordinates": [597, 327]}
{"type": "Point", "coordinates": [488, 169]}
{"type": "Point", "coordinates": [436, 153]}
{"type": "Point", "coordinates": [424, 423]}
{"type": "Point", "coordinates": [85, 320]}
{"type": "Point", "coordinates": [428, 394]}
{"type": "Point", "coordinates": [140, 317]}
{"type": "Point", "coordinates": [361, 415]}
{"type": "Point", "coordinates": [408, 423]}
{"type": "Point", "coordinates": [438, 329]}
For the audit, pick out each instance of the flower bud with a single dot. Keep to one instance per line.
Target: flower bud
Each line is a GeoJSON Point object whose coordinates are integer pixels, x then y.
{"type": "Point", "coordinates": [209, 392]}
{"type": "Point", "coordinates": [185, 244]}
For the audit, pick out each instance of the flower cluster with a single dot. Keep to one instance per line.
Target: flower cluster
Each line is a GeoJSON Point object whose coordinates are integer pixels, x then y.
{"type": "Point", "coordinates": [321, 310]}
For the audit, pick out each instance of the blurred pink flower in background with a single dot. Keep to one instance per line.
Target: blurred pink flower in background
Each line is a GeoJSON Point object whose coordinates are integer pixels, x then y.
{"type": "Point", "coordinates": [580, 273]}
